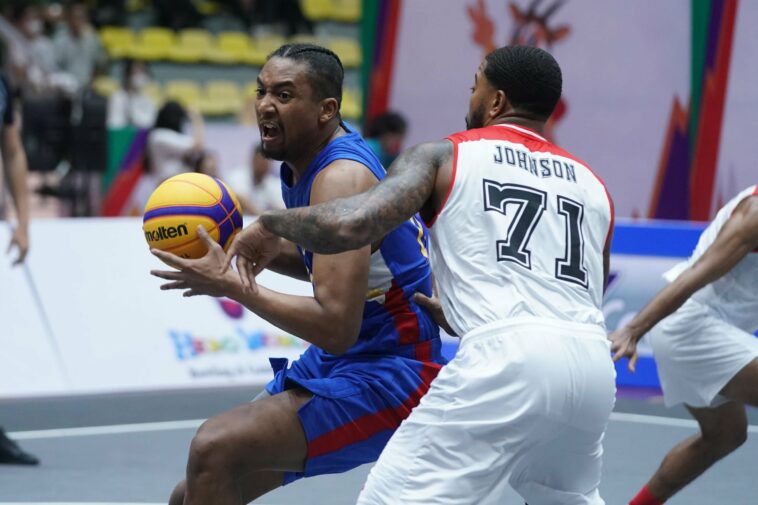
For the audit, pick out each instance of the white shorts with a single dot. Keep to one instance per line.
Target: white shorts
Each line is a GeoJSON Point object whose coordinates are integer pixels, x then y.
{"type": "Point", "coordinates": [524, 403]}
{"type": "Point", "coordinates": [697, 354]}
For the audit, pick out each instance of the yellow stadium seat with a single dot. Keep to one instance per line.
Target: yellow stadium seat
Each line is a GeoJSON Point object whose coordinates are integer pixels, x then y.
{"type": "Point", "coordinates": [183, 91]}
{"type": "Point", "coordinates": [348, 50]}
{"type": "Point", "coordinates": [193, 46]}
{"type": "Point", "coordinates": [136, 5]}
{"type": "Point", "coordinates": [262, 47]}
{"type": "Point", "coordinates": [207, 8]}
{"type": "Point", "coordinates": [105, 86]}
{"type": "Point", "coordinates": [231, 47]}
{"type": "Point", "coordinates": [346, 11]}
{"type": "Point", "coordinates": [118, 41]}
{"type": "Point", "coordinates": [154, 44]}
{"type": "Point", "coordinates": [221, 98]}
{"type": "Point", "coordinates": [351, 104]}
{"type": "Point", "coordinates": [251, 90]}
{"type": "Point", "coordinates": [305, 39]}
{"type": "Point", "coordinates": [317, 10]}
{"type": "Point", "coordinates": [154, 92]}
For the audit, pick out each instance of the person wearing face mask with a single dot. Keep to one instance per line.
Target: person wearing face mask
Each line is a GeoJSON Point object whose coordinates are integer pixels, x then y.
{"type": "Point", "coordinates": [130, 105]}
{"type": "Point", "coordinates": [31, 51]}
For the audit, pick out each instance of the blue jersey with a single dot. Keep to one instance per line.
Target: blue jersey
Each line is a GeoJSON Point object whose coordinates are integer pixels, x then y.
{"type": "Point", "coordinates": [362, 396]}
{"type": "Point", "coordinates": [392, 322]}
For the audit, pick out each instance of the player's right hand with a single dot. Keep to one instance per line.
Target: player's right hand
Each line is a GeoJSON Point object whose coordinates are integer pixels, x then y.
{"type": "Point", "coordinates": [255, 247]}
{"type": "Point", "coordinates": [19, 239]}
{"type": "Point", "coordinates": [624, 345]}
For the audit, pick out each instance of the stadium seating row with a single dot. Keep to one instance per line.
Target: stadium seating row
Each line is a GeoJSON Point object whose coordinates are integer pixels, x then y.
{"type": "Point", "coordinates": [217, 97]}
{"type": "Point", "coordinates": [344, 11]}
{"type": "Point", "coordinates": [197, 45]}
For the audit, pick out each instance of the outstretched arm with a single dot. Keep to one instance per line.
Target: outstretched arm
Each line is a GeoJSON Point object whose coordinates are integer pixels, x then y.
{"type": "Point", "coordinates": [350, 223]}
{"type": "Point", "coordinates": [16, 170]}
{"type": "Point", "coordinates": [736, 239]}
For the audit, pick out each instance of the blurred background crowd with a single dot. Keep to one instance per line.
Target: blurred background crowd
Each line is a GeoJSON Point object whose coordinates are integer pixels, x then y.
{"type": "Point", "coordinates": [116, 95]}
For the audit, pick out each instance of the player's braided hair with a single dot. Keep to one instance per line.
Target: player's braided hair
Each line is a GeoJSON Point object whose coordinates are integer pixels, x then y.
{"type": "Point", "coordinates": [530, 78]}
{"type": "Point", "coordinates": [325, 71]}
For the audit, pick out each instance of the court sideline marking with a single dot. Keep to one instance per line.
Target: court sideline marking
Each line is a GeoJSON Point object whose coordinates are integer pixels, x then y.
{"type": "Point", "coordinates": [118, 429]}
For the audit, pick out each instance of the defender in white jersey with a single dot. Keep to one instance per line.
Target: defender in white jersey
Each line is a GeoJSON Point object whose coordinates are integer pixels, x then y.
{"type": "Point", "coordinates": [702, 337]}
{"type": "Point", "coordinates": [520, 233]}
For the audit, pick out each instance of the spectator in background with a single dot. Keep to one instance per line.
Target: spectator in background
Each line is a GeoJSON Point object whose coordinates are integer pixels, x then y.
{"type": "Point", "coordinates": [385, 136]}
{"type": "Point", "coordinates": [170, 151]}
{"type": "Point", "coordinates": [130, 106]}
{"type": "Point", "coordinates": [15, 170]}
{"type": "Point", "coordinates": [33, 60]}
{"type": "Point", "coordinates": [257, 188]}
{"type": "Point", "coordinates": [78, 49]}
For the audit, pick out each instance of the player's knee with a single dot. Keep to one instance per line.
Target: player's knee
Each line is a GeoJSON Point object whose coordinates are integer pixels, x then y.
{"type": "Point", "coordinates": [210, 450]}
{"type": "Point", "coordinates": [731, 440]}
{"type": "Point", "coordinates": [728, 437]}
{"type": "Point", "coordinates": [177, 495]}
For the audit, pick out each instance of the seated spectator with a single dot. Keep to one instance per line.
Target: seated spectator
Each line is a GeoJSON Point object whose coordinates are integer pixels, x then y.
{"type": "Point", "coordinates": [31, 64]}
{"type": "Point", "coordinates": [170, 151]}
{"type": "Point", "coordinates": [385, 136]}
{"type": "Point", "coordinates": [77, 47]}
{"type": "Point", "coordinates": [130, 106]}
{"type": "Point", "coordinates": [257, 187]}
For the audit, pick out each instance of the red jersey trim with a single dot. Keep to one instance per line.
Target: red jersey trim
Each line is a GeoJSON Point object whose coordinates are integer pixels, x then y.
{"type": "Point", "coordinates": [511, 133]}
{"type": "Point", "coordinates": [369, 425]}
{"type": "Point", "coordinates": [523, 129]}
{"type": "Point", "coordinates": [430, 223]}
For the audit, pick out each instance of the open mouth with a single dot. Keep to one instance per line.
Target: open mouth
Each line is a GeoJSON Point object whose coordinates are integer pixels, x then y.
{"type": "Point", "coordinates": [269, 131]}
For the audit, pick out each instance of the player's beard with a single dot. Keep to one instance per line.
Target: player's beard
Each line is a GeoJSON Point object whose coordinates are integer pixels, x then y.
{"type": "Point", "coordinates": [475, 118]}
{"type": "Point", "coordinates": [272, 154]}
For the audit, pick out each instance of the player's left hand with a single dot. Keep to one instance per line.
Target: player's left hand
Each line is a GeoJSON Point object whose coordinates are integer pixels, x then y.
{"type": "Point", "coordinates": [255, 247]}
{"type": "Point", "coordinates": [19, 239]}
{"type": "Point", "coordinates": [624, 345]}
{"type": "Point", "coordinates": [202, 276]}
{"type": "Point", "coordinates": [434, 307]}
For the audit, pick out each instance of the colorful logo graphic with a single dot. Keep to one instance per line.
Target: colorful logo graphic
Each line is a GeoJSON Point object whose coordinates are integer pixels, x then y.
{"type": "Point", "coordinates": [231, 308]}
{"type": "Point", "coordinates": [530, 28]}
{"type": "Point", "coordinates": [686, 180]}
{"type": "Point", "coordinates": [189, 345]}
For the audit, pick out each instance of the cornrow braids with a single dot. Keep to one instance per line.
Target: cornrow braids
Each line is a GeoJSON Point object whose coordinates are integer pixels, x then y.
{"type": "Point", "coordinates": [530, 78]}
{"type": "Point", "coordinates": [325, 71]}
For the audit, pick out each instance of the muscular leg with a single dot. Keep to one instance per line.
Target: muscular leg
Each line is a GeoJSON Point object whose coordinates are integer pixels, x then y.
{"type": "Point", "coordinates": [253, 486]}
{"type": "Point", "coordinates": [241, 454]}
{"type": "Point", "coordinates": [722, 430]}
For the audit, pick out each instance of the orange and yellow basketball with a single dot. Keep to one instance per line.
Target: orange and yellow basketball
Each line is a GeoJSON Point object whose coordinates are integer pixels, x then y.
{"type": "Point", "coordinates": [180, 204]}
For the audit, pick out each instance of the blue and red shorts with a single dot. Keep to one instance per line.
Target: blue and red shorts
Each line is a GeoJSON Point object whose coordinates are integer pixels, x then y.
{"type": "Point", "coordinates": [356, 406]}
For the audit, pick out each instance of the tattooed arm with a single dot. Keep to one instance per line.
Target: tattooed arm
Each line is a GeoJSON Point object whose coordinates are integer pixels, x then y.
{"type": "Point", "coordinates": [349, 223]}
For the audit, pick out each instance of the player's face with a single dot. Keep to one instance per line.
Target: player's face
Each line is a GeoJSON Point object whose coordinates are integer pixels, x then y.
{"type": "Point", "coordinates": [476, 105]}
{"type": "Point", "coordinates": [285, 108]}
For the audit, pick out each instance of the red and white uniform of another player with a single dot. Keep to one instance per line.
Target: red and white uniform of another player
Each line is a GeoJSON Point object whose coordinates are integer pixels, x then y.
{"type": "Point", "coordinates": [733, 297]}
{"type": "Point", "coordinates": [517, 252]}
{"type": "Point", "coordinates": [701, 346]}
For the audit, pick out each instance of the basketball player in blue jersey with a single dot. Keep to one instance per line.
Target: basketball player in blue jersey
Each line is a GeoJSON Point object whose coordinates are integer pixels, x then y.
{"type": "Point", "coordinates": [374, 351]}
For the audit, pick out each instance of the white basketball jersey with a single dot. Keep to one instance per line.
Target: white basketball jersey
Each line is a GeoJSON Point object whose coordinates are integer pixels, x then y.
{"type": "Point", "coordinates": [733, 297]}
{"type": "Point", "coordinates": [521, 233]}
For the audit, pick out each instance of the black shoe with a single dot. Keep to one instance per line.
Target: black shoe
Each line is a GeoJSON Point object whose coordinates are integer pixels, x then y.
{"type": "Point", "coordinates": [11, 453]}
